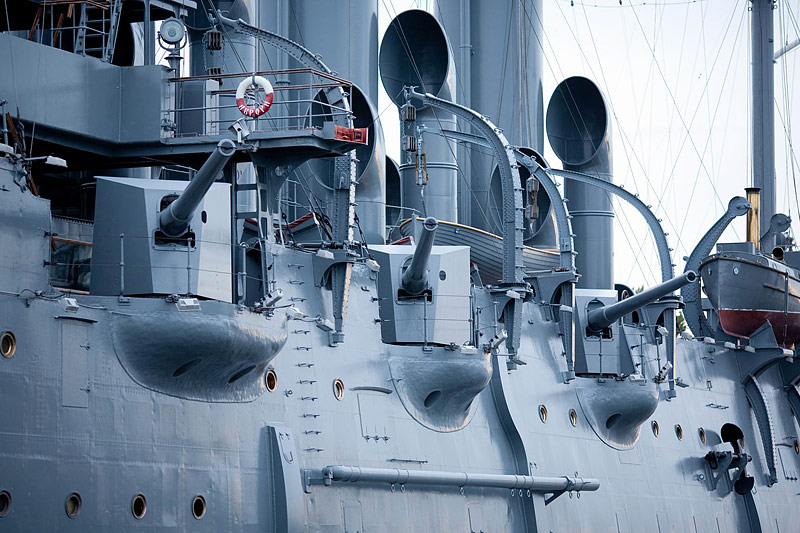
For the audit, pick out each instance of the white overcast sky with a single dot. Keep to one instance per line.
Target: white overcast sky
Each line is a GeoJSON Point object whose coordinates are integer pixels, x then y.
{"type": "Point", "coordinates": [676, 76]}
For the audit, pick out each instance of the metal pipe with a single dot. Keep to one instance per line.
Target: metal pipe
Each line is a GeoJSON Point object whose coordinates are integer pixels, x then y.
{"type": "Point", "coordinates": [121, 265]}
{"type": "Point", "coordinates": [415, 278]}
{"type": "Point", "coordinates": [763, 133]}
{"type": "Point", "coordinates": [786, 49]}
{"type": "Point", "coordinates": [399, 476]}
{"type": "Point", "coordinates": [5, 126]}
{"type": "Point", "coordinates": [753, 218]}
{"type": "Point", "coordinates": [175, 218]}
{"type": "Point", "coordinates": [602, 317]}
{"type": "Point", "coordinates": [149, 39]}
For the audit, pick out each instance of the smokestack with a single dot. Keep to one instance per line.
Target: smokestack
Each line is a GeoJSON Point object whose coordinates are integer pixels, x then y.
{"type": "Point", "coordinates": [415, 52]}
{"type": "Point", "coordinates": [345, 34]}
{"type": "Point", "coordinates": [499, 72]}
{"type": "Point", "coordinates": [579, 132]}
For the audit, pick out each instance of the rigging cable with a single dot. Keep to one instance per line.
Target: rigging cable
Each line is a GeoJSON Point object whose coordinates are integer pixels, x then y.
{"type": "Point", "coordinates": [407, 49]}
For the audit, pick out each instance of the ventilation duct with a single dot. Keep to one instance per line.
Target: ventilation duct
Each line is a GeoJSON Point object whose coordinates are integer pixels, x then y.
{"type": "Point", "coordinates": [415, 52]}
{"type": "Point", "coordinates": [579, 132]}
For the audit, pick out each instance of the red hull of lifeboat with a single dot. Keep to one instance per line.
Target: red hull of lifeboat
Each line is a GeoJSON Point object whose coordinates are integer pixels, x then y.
{"type": "Point", "coordinates": [744, 322]}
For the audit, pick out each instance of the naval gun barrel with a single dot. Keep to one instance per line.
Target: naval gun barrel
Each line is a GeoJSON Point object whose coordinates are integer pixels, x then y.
{"type": "Point", "coordinates": [174, 220]}
{"type": "Point", "coordinates": [415, 278]}
{"type": "Point", "coordinates": [602, 317]}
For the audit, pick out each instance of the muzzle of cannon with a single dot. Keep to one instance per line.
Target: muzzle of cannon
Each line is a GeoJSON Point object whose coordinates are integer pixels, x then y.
{"type": "Point", "coordinates": [415, 278]}
{"type": "Point", "coordinates": [174, 219]}
{"type": "Point", "coordinates": [602, 317]}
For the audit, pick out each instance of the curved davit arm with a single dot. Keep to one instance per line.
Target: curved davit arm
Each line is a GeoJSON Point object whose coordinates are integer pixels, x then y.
{"type": "Point", "coordinates": [664, 256]}
{"type": "Point", "coordinates": [509, 177]}
{"type": "Point", "coordinates": [693, 313]}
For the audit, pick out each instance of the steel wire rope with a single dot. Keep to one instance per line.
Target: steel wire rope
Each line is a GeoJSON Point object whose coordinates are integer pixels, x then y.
{"type": "Point", "coordinates": [209, 7]}
{"type": "Point", "coordinates": [635, 156]}
{"type": "Point", "coordinates": [38, 75]}
{"type": "Point", "coordinates": [782, 27]}
{"type": "Point", "coordinates": [792, 153]}
{"type": "Point", "coordinates": [583, 54]}
{"type": "Point", "coordinates": [674, 103]}
{"type": "Point", "coordinates": [574, 119]}
{"type": "Point", "coordinates": [713, 121]}
{"type": "Point", "coordinates": [793, 20]}
{"type": "Point", "coordinates": [407, 50]}
{"type": "Point", "coordinates": [505, 59]}
{"type": "Point", "coordinates": [787, 122]}
{"type": "Point", "coordinates": [470, 148]}
{"type": "Point", "coordinates": [636, 137]}
{"type": "Point", "coordinates": [11, 55]}
{"type": "Point", "coordinates": [658, 23]}
{"type": "Point", "coordinates": [668, 153]}
{"type": "Point", "coordinates": [655, 3]}
{"type": "Point", "coordinates": [491, 196]}
{"type": "Point", "coordinates": [621, 214]}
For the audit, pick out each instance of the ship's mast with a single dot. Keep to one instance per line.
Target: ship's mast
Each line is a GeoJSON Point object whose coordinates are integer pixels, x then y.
{"type": "Point", "coordinates": [763, 88]}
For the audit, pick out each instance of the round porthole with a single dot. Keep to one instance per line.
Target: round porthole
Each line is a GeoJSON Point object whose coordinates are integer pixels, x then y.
{"type": "Point", "coordinates": [338, 389]}
{"type": "Point", "coordinates": [5, 503]}
{"type": "Point", "coordinates": [654, 425]}
{"type": "Point", "coordinates": [679, 432]}
{"type": "Point", "coordinates": [702, 433]}
{"type": "Point", "coordinates": [198, 507]}
{"type": "Point", "coordinates": [573, 417]}
{"type": "Point", "coordinates": [139, 506]}
{"type": "Point", "coordinates": [8, 344]}
{"type": "Point", "coordinates": [796, 447]}
{"type": "Point", "coordinates": [271, 380]}
{"type": "Point", "coordinates": [73, 505]}
{"type": "Point", "coordinates": [442, 275]}
{"type": "Point", "coordinates": [543, 413]}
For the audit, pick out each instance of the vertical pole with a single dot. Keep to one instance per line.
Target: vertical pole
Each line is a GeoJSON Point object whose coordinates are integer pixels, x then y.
{"type": "Point", "coordinates": [5, 125]}
{"type": "Point", "coordinates": [641, 355]}
{"type": "Point", "coordinates": [149, 38]}
{"type": "Point", "coordinates": [763, 133]}
{"type": "Point", "coordinates": [600, 370]}
{"type": "Point", "coordinates": [424, 324]}
{"type": "Point", "coordinates": [121, 266]}
{"type": "Point", "coordinates": [669, 322]}
{"type": "Point", "coordinates": [465, 93]}
{"type": "Point", "coordinates": [242, 275]}
{"type": "Point", "coordinates": [188, 267]}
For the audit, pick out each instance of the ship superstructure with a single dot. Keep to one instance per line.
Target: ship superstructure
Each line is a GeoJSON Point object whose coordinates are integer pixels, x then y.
{"type": "Point", "coordinates": [224, 308]}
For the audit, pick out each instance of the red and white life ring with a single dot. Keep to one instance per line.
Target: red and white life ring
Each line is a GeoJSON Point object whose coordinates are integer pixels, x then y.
{"type": "Point", "coordinates": [242, 89]}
